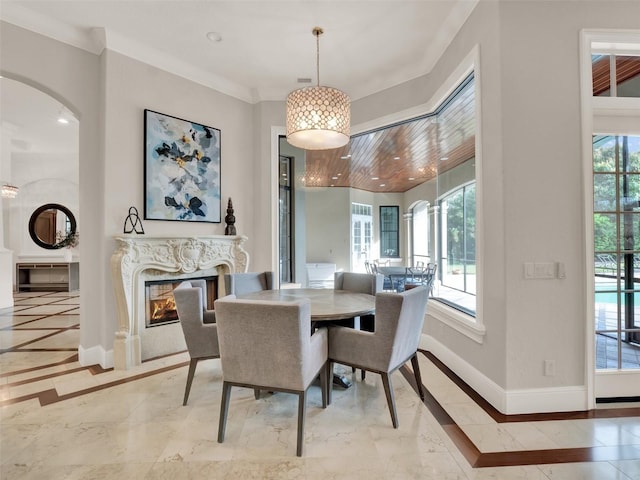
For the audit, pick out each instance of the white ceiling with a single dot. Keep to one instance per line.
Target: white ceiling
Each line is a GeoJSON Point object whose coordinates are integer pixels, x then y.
{"type": "Point", "coordinates": [265, 45]}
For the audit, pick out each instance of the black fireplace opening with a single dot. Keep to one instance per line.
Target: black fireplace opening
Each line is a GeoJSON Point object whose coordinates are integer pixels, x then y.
{"type": "Point", "coordinates": [160, 306]}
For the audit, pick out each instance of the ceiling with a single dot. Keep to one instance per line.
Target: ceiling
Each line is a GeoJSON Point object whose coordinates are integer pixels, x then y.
{"type": "Point", "coordinates": [401, 156]}
{"type": "Point", "coordinates": [264, 47]}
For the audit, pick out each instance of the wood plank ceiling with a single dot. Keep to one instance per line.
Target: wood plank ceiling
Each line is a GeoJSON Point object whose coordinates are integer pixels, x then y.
{"type": "Point", "coordinates": [399, 157]}
{"type": "Point", "coordinates": [627, 67]}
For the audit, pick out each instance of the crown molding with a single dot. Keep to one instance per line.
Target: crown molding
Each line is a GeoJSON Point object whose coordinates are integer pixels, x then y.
{"type": "Point", "coordinates": [96, 40]}
{"type": "Point", "coordinates": [49, 27]}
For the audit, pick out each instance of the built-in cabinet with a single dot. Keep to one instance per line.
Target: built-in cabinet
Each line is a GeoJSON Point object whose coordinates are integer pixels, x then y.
{"type": "Point", "coordinates": [54, 276]}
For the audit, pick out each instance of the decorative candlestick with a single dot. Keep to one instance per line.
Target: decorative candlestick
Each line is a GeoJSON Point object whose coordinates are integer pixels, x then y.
{"type": "Point", "coordinates": [230, 220]}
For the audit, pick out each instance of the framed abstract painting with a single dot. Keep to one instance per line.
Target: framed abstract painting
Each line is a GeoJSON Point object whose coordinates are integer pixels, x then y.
{"type": "Point", "coordinates": [181, 170]}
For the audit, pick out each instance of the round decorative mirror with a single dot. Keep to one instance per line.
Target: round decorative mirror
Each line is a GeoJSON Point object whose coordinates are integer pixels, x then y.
{"type": "Point", "coordinates": [53, 226]}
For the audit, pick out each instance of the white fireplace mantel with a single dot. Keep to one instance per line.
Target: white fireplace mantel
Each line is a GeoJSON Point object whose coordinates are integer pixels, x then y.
{"type": "Point", "coordinates": [137, 256]}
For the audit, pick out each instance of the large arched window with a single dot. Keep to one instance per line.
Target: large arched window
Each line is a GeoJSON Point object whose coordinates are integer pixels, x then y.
{"type": "Point", "coordinates": [443, 226]}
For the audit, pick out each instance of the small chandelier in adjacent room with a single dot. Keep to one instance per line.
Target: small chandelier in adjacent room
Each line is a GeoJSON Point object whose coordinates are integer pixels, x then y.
{"type": "Point", "coordinates": [9, 191]}
{"type": "Point", "coordinates": [318, 118]}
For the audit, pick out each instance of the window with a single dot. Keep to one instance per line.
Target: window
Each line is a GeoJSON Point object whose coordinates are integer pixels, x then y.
{"type": "Point", "coordinates": [389, 232]}
{"type": "Point", "coordinates": [458, 244]}
{"type": "Point", "coordinates": [444, 222]}
{"type": "Point", "coordinates": [285, 215]}
{"type": "Point", "coordinates": [615, 75]}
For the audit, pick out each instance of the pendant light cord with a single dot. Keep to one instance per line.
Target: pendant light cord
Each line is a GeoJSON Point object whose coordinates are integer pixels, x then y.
{"type": "Point", "coordinates": [317, 31]}
{"type": "Point", "coordinates": [318, 57]}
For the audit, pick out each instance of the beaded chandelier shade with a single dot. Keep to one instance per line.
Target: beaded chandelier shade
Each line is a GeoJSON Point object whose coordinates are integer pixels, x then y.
{"type": "Point", "coordinates": [318, 118]}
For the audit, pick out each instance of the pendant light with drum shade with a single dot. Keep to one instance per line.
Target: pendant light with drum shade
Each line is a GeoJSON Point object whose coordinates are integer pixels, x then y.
{"type": "Point", "coordinates": [318, 118]}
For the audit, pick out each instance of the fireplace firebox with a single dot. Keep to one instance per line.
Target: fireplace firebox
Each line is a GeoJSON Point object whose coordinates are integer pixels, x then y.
{"type": "Point", "coordinates": [160, 306]}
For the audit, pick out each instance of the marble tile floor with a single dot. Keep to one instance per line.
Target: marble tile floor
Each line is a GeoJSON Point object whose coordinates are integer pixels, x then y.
{"type": "Point", "coordinates": [59, 420]}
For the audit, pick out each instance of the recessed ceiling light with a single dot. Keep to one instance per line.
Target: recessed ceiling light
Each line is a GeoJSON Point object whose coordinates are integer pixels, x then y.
{"type": "Point", "coordinates": [383, 184]}
{"type": "Point", "coordinates": [411, 178]}
{"type": "Point", "coordinates": [339, 174]}
{"type": "Point", "coordinates": [375, 178]}
{"type": "Point", "coordinates": [214, 37]}
{"type": "Point", "coordinates": [396, 158]}
{"type": "Point", "coordinates": [345, 157]}
{"type": "Point", "coordinates": [334, 178]}
{"type": "Point", "coordinates": [444, 158]}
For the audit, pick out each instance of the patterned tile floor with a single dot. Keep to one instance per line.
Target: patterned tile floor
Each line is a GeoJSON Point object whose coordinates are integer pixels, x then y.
{"type": "Point", "coordinates": [59, 420]}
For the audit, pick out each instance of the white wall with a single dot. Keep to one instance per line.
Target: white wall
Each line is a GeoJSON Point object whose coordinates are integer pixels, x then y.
{"type": "Point", "coordinates": [328, 235]}
{"type": "Point", "coordinates": [71, 76]}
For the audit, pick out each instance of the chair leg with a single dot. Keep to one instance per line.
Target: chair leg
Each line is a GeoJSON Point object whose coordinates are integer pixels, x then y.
{"type": "Point", "coordinates": [192, 371]}
{"type": "Point", "coordinates": [329, 382]}
{"type": "Point", "coordinates": [224, 408]}
{"type": "Point", "coordinates": [416, 373]}
{"type": "Point", "coordinates": [256, 393]}
{"type": "Point", "coordinates": [302, 406]}
{"type": "Point", "coordinates": [388, 390]}
{"type": "Point", "coordinates": [363, 374]}
{"type": "Point", "coordinates": [324, 379]}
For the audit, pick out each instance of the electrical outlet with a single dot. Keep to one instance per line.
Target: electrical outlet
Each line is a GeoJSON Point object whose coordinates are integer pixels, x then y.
{"type": "Point", "coordinates": [549, 368]}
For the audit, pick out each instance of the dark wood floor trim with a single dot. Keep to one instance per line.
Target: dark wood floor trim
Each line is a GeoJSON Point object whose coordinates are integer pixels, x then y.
{"type": "Point", "coordinates": [71, 359]}
{"type": "Point", "coordinates": [478, 459]}
{"type": "Point", "coordinates": [11, 327]}
{"type": "Point", "coordinates": [47, 397]}
{"type": "Point", "coordinates": [20, 347]}
{"type": "Point", "coordinates": [528, 417]}
{"type": "Point", "coordinates": [561, 455]}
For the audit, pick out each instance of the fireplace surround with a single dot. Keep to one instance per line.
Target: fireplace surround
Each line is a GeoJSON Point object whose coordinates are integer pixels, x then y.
{"type": "Point", "coordinates": [138, 258]}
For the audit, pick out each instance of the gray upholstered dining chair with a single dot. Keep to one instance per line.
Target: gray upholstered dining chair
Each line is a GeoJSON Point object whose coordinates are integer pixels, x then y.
{"type": "Point", "coordinates": [268, 345]}
{"type": "Point", "coordinates": [370, 283]}
{"type": "Point", "coordinates": [243, 283]}
{"type": "Point", "coordinates": [198, 325]}
{"type": "Point", "coordinates": [399, 320]}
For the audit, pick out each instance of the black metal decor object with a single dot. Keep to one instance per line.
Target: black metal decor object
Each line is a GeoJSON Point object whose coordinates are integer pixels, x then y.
{"type": "Point", "coordinates": [230, 220]}
{"type": "Point", "coordinates": [133, 222]}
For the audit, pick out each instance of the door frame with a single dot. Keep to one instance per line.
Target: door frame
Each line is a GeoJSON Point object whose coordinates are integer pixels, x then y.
{"type": "Point", "coordinates": [602, 113]}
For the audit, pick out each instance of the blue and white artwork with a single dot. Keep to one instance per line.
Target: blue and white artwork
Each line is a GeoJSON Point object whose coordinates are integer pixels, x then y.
{"type": "Point", "coordinates": [182, 170]}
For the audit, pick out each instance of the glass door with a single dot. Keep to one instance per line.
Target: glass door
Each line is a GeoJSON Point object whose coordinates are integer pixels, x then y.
{"type": "Point", "coordinates": [361, 228]}
{"type": "Point", "coordinates": [616, 235]}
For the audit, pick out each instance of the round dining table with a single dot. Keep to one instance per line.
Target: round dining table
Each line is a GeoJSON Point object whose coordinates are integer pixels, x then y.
{"type": "Point", "coordinates": [326, 304]}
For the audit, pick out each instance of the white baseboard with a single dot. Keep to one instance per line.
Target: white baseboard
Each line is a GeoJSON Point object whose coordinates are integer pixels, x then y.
{"type": "Point", "coordinates": [544, 400]}
{"type": "Point", "coordinates": [95, 356]}
{"type": "Point", "coordinates": [510, 402]}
